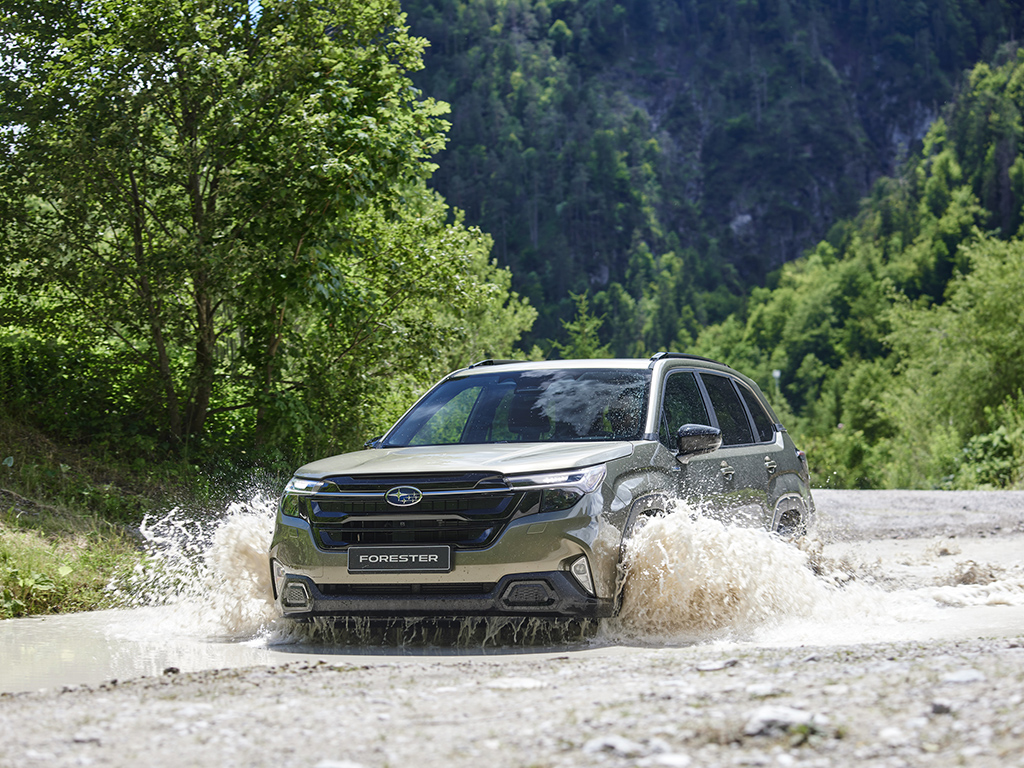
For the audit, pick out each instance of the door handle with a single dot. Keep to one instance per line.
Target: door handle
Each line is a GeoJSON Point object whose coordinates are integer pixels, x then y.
{"type": "Point", "coordinates": [727, 471]}
{"type": "Point", "coordinates": [770, 464]}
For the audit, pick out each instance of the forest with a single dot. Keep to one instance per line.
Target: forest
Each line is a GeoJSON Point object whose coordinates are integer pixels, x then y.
{"type": "Point", "coordinates": [673, 154]}
{"type": "Point", "coordinates": [826, 196]}
{"type": "Point", "coordinates": [226, 231]}
{"type": "Point", "coordinates": [898, 339]}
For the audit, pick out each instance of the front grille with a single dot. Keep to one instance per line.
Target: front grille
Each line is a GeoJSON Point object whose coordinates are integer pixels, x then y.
{"type": "Point", "coordinates": [463, 533]}
{"type": "Point", "coordinates": [469, 511]}
{"type": "Point", "coordinates": [461, 481]}
{"type": "Point", "coordinates": [338, 508]}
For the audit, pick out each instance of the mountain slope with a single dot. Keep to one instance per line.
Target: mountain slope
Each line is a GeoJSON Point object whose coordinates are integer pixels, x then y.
{"type": "Point", "coordinates": [670, 154]}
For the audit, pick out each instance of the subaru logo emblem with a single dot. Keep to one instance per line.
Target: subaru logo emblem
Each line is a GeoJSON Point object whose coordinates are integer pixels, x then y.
{"type": "Point", "coordinates": [403, 496]}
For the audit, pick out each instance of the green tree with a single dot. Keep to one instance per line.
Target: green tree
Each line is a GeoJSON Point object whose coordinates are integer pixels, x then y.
{"type": "Point", "coordinates": [896, 339]}
{"type": "Point", "coordinates": [959, 361]}
{"type": "Point", "coordinates": [582, 330]}
{"type": "Point", "coordinates": [741, 130]}
{"type": "Point", "coordinates": [180, 176]}
{"type": "Point", "coordinates": [404, 299]}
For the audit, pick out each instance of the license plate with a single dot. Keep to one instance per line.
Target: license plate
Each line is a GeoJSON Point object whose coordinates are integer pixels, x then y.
{"type": "Point", "coordinates": [400, 559]}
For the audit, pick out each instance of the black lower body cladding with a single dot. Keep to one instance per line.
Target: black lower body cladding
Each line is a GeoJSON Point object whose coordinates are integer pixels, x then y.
{"type": "Point", "coordinates": [546, 594]}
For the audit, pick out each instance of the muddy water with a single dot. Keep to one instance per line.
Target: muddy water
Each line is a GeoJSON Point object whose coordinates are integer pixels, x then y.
{"type": "Point", "coordinates": [202, 599]}
{"type": "Point", "coordinates": [691, 579]}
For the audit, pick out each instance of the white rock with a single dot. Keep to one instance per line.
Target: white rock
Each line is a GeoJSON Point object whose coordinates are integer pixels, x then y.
{"type": "Point", "coordinates": [668, 760]}
{"type": "Point", "coordinates": [770, 718]}
{"type": "Point", "coordinates": [754, 758]}
{"type": "Point", "coordinates": [516, 684]}
{"type": "Point", "coordinates": [893, 737]}
{"type": "Point", "coordinates": [657, 746]}
{"type": "Point", "coordinates": [964, 676]}
{"type": "Point", "coordinates": [837, 689]}
{"type": "Point", "coordinates": [714, 666]}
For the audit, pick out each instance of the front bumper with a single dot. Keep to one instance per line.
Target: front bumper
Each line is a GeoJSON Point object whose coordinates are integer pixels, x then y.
{"type": "Point", "coordinates": [526, 571]}
{"type": "Point", "coordinates": [547, 594]}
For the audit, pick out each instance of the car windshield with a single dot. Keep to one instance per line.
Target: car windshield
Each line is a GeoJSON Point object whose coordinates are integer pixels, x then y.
{"type": "Point", "coordinates": [561, 405]}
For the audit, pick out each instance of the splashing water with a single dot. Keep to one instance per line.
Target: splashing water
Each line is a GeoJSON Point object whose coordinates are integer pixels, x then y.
{"type": "Point", "coordinates": [690, 578]}
{"type": "Point", "coordinates": [215, 573]}
{"type": "Point", "coordinates": [686, 578]}
{"type": "Point", "coordinates": [476, 632]}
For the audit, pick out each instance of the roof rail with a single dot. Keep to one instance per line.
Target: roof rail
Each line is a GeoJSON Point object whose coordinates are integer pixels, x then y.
{"type": "Point", "coordinates": [492, 362]}
{"type": "Point", "coordinates": [680, 356]}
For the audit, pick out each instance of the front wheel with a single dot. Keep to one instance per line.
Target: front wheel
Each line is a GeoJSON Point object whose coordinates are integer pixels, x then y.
{"type": "Point", "coordinates": [791, 525]}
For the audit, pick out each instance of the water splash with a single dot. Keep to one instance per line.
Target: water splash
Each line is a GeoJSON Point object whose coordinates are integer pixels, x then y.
{"type": "Point", "coordinates": [214, 571]}
{"type": "Point", "coordinates": [686, 578]}
{"type": "Point", "coordinates": [690, 578]}
{"type": "Point", "coordinates": [470, 632]}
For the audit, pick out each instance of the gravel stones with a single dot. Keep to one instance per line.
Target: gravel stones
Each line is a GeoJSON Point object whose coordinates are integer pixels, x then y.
{"type": "Point", "coordinates": [902, 705]}
{"type": "Point", "coordinates": [964, 676]}
{"type": "Point", "coordinates": [771, 719]}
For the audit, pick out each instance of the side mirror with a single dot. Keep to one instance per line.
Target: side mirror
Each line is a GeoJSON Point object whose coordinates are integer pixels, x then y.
{"type": "Point", "coordinates": [375, 443]}
{"type": "Point", "coordinates": [697, 439]}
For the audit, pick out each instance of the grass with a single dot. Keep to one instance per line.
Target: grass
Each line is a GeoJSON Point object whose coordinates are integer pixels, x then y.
{"type": "Point", "coordinates": [54, 560]}
{"type": "Point", "coordinates": [69, 514]}
{"type": "Point", "coordinates": [66, 521]}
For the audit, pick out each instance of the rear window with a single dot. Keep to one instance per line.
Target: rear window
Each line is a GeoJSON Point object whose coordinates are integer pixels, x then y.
{"type": "Point", "coordinates": [732, 417]}
{"type": "Point", "coordinates": [762, 421]}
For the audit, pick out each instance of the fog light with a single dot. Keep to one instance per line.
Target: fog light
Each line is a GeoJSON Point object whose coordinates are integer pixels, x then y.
{"type": "Point", "coordinates": [580, 568]}
{"type": "Point", "coordinates": [295, 595]}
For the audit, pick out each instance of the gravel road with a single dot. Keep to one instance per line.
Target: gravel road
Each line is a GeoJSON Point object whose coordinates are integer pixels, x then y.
{"type": "Point", "coordinates": [911, 704]}
{"type": "Point", "coordinates": [731, 701]}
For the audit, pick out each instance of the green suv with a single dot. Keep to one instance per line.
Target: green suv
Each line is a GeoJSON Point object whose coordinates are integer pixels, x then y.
{"type": "Point", "coordinates": [510, 488]}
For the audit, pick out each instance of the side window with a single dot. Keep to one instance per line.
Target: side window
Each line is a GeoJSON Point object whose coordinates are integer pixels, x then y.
{"type": "Point", "coordinates": [683, 404]}
{"type": "Point", "coordinates": [732, 416]}
{"type": "Point", "coordinates": [762, 421]}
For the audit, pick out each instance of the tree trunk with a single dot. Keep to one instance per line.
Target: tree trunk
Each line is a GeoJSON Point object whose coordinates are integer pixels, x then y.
{"type": "Point", "coordinates": [268, 379]}
{"type": "Point", "coordinates": [206, 359]}
{"type": "Point", "coordinates": [163, 361]}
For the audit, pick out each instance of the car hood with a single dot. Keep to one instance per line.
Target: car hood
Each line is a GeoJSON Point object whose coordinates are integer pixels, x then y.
{"type": "Point", "coordinates": [506, 458]}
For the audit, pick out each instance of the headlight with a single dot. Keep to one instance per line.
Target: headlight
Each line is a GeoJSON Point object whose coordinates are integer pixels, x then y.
{"type": "Point", "coordinates": [303, 486]}
{"type": "Point", "coordinates": [562, 489]}
{"type": "Point", "coordinates": [293, 503]}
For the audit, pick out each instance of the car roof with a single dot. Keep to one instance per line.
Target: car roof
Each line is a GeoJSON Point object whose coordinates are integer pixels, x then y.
{"type": "Point", "coordinates": [555, 365]}
{"type": "Point", "coordinates": [639, 364]}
